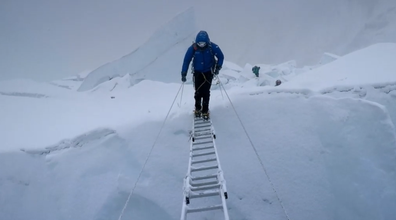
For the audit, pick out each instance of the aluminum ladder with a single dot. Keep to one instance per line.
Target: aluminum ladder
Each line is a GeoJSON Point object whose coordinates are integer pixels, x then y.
{"type": "Point", "coordinates": [204, 176]}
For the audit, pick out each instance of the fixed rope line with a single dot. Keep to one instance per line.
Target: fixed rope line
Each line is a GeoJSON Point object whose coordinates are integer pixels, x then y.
{"type": "Point", "coordinates": [217, 83]}
{"type": "Point", "coordinates": [181, 95]}
{"type": "Point", "coordinates": [145, 162]}
{"type": "Point", "coordinates": [255, 150]}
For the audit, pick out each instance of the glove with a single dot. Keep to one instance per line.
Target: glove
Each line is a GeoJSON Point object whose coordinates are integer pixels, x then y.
{"type": "Point", "coordinates": [217, 69]}
{"type": "Point", "coordinates": [183, 78]}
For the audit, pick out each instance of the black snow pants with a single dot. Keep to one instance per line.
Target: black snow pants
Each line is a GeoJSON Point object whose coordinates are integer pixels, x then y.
{"type": "Point", "coordinates": [202, 84]}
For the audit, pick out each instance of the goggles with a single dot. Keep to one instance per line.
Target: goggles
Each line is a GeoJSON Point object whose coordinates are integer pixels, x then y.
{"type": "Point", "coordinates": [201, 44]}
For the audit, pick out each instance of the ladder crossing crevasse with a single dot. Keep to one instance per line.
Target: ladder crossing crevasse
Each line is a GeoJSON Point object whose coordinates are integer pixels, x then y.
{"type": "Point", "coordinates": [204, 177]}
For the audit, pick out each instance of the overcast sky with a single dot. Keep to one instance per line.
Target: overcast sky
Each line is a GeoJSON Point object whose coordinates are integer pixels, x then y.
{"type": "Point", "coordinates": [51, 39]}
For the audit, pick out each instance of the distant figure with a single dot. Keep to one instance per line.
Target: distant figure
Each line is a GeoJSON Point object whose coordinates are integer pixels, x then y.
{"type": "Point", "coordinates": [278, 82]}
{"type": "Point", "coordinates": [256, 70]}
{"type": "Point", "coordinates": [207, 59]}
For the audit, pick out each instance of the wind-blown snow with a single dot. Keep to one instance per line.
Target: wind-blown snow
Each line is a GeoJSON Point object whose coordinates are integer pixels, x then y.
{"type": "Point", "coordinates": [326, 137]}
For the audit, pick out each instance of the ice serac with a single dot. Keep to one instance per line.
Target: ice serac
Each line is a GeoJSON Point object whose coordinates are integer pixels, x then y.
{"type": "Point", "coordinates": [165, 49]}
{"type": "Point", "coordinates": [327, 58]}
{"type": "Point", "coordinates": [373, 65]}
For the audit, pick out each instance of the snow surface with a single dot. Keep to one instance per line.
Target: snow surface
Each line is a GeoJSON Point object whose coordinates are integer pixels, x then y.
{"type": "Point", "coordinates": [326, 137]}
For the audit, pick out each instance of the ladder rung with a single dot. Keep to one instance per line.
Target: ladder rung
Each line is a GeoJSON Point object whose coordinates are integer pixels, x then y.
{"type": "Point", "coordinates": [213, 207]}
{"type": "Point", "coordinates": [203, 134]}
{"type": "Point", "coordinates": [203, 161]}
{"type": "Point", "coordinates": [202, 126]}
{"type": "Point", "coordinates": [201, 122]}
{"type": "Point", "coordinates": [203, 184]}
{"type": "Point", "coordinates": [202, 148]}
{"type": "Point", "coordinates": [197, 131]}
{"type": "Point", "coordinates": [199, 119]}
{"type": "Point", "coordinates": [203, 142]}
{"type": "Point", "coordinates": [215, 186]}
{"type": "Point", "coordinates": [204, 168]}
{"type": "Point", "coordinates": [203, 177]}
{"type": "Point", "coordinates": [203, 154]}
{"type": "Point", "coordinates": [200, 195]}
{"type": "Point", "coordinates": [206, 136]}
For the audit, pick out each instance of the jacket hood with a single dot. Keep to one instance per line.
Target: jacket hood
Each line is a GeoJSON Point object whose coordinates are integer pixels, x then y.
{"type": "Point", "coordinates": [202, 36]}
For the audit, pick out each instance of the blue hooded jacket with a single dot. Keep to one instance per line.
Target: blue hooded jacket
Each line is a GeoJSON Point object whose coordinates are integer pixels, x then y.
{"type": "Point", "coordinates": [204, 58]}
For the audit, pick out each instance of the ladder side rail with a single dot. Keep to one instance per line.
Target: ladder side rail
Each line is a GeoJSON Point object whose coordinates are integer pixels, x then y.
{"type": "Point", "coordinates": [220, 172]}
{"type": "Point", "coordinates": [187, 179]}
{"type": "Point", "coordinates": [213, 130]}
{"type": "Point", "coordinates": [223, 200]}
{"type": "Point", "coordinates": [184, 210]}
{"type": "Point", "coordinates": [222, 182]}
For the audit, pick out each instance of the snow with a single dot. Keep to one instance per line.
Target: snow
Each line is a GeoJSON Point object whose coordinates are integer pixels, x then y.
{"type": "Point", "coordinates": [73, 82]}
{"type": "Point", "coordinates": [274, 32]}
{"type": "Point", "coordinates": [161, 49]}
{"type": "Point", "coordinates": [326, 138]}
{"type": "Point", "coordinates": [327, 58]}
{"type": "Point", "coordinates": [372, 66]}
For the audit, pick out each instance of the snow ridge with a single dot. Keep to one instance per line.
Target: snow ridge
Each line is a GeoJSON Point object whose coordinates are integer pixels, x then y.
{"type": "Point", "coordinates": [157, 49]}
{"type": "Point", "coordinates": [77, 142]}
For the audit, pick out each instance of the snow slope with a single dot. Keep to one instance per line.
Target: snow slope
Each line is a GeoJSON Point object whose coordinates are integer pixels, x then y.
{"type": "Point", "coordinates": [339, 27]}
{"type": "Point", "coordinates": [372, 66]}
{"type": "Point", "coordinates": [162, 52]}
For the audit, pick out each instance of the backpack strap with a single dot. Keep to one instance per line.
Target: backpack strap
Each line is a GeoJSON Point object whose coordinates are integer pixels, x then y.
{"type": "Point", "coordinates": [195, 47]}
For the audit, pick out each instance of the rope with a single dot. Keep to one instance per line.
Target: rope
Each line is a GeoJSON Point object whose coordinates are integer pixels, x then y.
{"type": "Point", "coordinates": [217, 83]}
{"type": "Point", "coordinates": [181, 95]}
{"type": "Point", "coordinates": [145, 162]}
{"type": "Point", "coordinates": [206, 80]}
{"type": "Point", "coordinates": [255, 150]}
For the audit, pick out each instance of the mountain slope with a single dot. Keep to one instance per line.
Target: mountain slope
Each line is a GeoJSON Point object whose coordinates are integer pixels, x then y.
{"type": "Point", "coordinates": [164, 51]}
